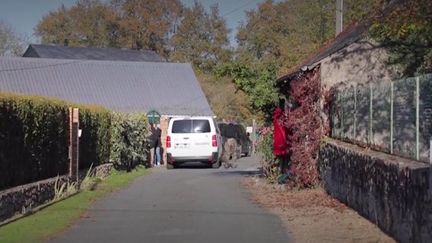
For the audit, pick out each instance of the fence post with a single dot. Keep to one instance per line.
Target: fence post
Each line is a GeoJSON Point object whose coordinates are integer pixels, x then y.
{"type": "Point", "coordinates": [355, 112]}
{"type": "Point", "coordinates": [370, 112]}
{"type": "Point", "coordinates": [430, 150]}
{"type": "Point", "coordinates": [391, 115]}
{"type": "Point", "coordinates": [417, 96]}
{"type": "Point", "coordinates": [341, 131]}
{"type": "Point", "coordinates": [254, 128]}
{"type": "Point", "coordinates": [336, 115]}
{"type": "Point", "coordinates": [73, 143]}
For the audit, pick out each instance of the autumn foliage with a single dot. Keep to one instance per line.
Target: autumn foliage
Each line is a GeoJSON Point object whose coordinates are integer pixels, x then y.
{"type": "Point", "coordinates": [306, 127]}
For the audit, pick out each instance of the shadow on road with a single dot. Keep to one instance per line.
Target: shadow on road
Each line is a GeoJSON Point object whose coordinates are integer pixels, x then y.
{"type": "Point", "coordinates": [193, 165]}
{"type": "Point", "coordinates": [231, 172]}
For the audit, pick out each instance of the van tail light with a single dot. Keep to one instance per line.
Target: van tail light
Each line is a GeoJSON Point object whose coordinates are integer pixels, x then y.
{"type": "Point", "coordinates": [168, 142]}
{"type": "Point", "coordinates": [214, 141]}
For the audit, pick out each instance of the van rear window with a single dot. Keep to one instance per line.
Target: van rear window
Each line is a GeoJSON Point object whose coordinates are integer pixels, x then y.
{"type": "Point", "coordinates": [200, 126]}
{"type": "Point", "coordinates": [191, 126]}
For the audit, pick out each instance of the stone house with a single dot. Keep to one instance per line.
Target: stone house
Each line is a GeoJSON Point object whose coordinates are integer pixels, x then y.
{"type": "Point", "coordinates": [389, 190]}
{"type": "Point", "coordinates": [350, 57]}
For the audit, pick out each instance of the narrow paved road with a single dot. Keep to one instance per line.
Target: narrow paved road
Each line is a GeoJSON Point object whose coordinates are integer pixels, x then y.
{"type": "Point", "coordinates": [181, 205]}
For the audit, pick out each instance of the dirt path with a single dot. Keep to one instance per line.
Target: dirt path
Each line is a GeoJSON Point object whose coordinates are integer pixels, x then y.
{"type": "Point", "coordinates": [312, 215]}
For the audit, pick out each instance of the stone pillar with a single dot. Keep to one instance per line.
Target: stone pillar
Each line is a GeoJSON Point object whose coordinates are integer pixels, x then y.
{"type": "Point", "coordinates": [73, 143]}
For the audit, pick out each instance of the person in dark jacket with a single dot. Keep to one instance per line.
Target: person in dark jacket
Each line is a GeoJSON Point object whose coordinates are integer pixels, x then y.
{"type": "Point", "coordinates": [155, 145]}
{"type": "Point", "coordinates": [158, 145]}
{"type": "Point", "coordinates": [152, 141]}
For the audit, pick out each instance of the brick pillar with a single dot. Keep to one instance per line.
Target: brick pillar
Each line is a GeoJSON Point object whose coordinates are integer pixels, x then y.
{"type": "Point", "coordinates": [73, 143]}
{"type": "Point", "coordinates": [164, 129]}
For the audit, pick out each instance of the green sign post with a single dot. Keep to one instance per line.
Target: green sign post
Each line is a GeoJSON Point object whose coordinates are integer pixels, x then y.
{"type": "Point", "coordinates": [153, 117]}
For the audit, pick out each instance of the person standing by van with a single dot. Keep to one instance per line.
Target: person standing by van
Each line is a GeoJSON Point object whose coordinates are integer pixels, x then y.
{"type": "Point", "coordinates": [158, 145]}
{"type": "Point", "coordinates": [152, 143]}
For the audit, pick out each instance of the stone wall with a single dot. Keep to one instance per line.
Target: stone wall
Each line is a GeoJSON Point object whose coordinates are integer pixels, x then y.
{"type": "Point", "coordinates": [360, 62]}
{"type": "Point", "coordinates": [22, 199]}
{"type": "Point", "coordinates": [103, 170]}
{"type": "Point", "coordinates": [392, 192]}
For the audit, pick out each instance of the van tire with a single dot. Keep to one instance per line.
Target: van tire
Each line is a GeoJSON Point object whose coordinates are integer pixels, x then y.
{"type": "Point", "coordinates": [216, 165]}
{"type": "Point", "coordinates": [238, 152]}
{"type": "Point", "coordinates": [249, 152]}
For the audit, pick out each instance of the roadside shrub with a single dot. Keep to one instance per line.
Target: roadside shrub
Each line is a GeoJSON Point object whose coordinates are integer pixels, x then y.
{"type": "Point", "coordinates": [269, 162]}
{"type": "Point", "coordinates": [129, 143]}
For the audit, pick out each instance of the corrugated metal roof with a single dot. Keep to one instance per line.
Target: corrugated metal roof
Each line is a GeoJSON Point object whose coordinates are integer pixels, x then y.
{"type": "Point", "coordinates": [91, 53]}
{"type": "Point", "coordinates": [169, 88]}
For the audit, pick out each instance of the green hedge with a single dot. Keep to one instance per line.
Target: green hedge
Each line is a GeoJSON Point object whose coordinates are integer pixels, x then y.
{"type": "Point", "coordinates": [95, 123]}
{"type": "Point", "coordinates": [129, 140]}
{"type": "Point", "coordinates": [34, 138]}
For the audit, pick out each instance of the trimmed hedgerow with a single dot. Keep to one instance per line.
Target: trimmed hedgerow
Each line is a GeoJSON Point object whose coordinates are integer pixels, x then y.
{"type": "Point", "coordinates": [34, 138]}
{"type": "Point", "coordinates": [95, 123]}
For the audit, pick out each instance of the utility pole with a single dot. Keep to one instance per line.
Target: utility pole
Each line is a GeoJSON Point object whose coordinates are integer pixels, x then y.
{"type": "Point", "coordinates": [339, 16]}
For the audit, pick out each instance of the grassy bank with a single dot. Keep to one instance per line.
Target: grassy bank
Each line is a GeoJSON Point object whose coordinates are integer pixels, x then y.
{"type": "Point", "coordinates": [53, 219]}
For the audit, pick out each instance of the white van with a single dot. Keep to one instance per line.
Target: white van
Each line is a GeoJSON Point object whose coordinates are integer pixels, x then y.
{"type": "Point", "coordinates": [191, 139]}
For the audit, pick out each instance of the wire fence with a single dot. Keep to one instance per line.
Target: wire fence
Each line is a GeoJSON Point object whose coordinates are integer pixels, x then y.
{"type": "Point", "coordinates": [393, 117]}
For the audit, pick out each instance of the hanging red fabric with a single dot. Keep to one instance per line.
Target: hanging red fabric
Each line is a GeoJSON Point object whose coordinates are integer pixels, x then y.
{"type": "Point", "coordinates": [280, 144]}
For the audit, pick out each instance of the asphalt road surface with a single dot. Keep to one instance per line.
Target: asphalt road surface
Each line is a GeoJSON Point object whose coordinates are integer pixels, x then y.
{"type": "Point", "coordinates": [190, 204]}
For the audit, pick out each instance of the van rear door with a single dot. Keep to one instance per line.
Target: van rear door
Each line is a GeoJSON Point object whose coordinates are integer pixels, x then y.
{"type": "Point", "coordinates": [191, 137]}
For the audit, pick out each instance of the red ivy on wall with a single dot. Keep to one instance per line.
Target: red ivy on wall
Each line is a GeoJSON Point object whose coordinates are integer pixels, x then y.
{"type": "Point", "coordinates": [306, 124]}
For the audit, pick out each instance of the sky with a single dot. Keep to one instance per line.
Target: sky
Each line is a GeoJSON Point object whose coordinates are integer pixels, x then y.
{"type": "Point", "coordinates": [23, 15]}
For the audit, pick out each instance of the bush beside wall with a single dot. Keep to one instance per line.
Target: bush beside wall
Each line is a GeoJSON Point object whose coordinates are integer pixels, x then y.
{"type": "Point", "coordinates": [129, 140]}
{"type": "Point", "coordinates": [34, 138]}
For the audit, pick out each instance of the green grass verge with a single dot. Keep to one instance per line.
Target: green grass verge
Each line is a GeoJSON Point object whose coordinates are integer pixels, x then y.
{"type": "Point", "coordinates": [57, 217]}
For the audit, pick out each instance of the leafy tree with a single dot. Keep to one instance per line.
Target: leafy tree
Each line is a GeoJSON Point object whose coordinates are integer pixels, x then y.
{"type": "Point", "coordinates": [359, 10]}
{"type": "Point", "coordinates": [87, 23]}
{"type": "Point", "coordinates": [201, 38]}
{"type": "Point", "coordinates": [56, 27]}
{"type": "Point", "coordinates": [260, 38]}
{"type": "Point", "coordinates": [256, 82]}
{"type": "Point", "coordinates": [405, 27]}
{"type": "Point", "coordinates": [95, 24]}
{"type": "Point", "coordinates": [10, 42]}
{"type": "Point", "coordinates": [147, 24]}
{"type": "Point", "coordinates": [137, 24]}
{"type": "Point", "coordinates": [226, 101]}
{"type": "Point", "coordinates": [279, 36]}
{"type": "Point", "coordinates": [286, 33]}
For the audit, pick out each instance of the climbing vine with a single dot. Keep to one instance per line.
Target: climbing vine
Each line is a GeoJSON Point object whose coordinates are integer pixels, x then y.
{"type": "Point", "coordinates": [306, 126]}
